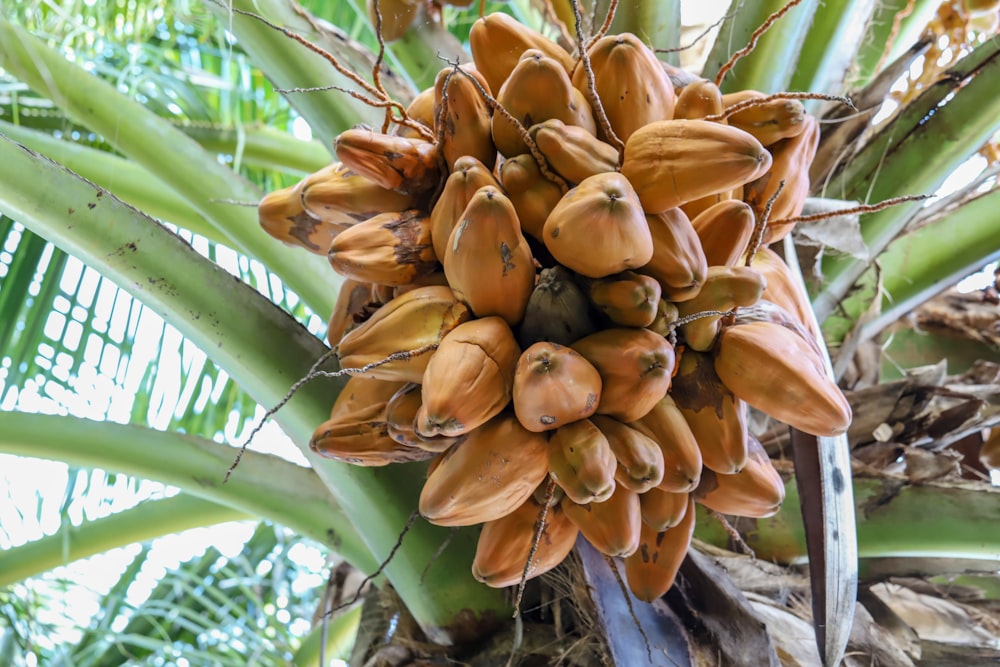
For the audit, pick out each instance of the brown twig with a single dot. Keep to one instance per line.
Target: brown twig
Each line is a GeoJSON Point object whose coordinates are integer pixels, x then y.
{"type": "Point", "coordinates": [553, 18]}
{"type": "Point", "coordinates": [392, 553]}
{"type": "Point", "coordinates": [236, 202]}
{"type": "Point", "coordinates": [748, 49]}
{"type": "Point", "coordinates": [628, 601]}
{"type": "Point", "coordinates": [897, 23]}
{"type": "Point", "coordinates": [761, 224]}
{"type": "Point", "coordinates": [320, 51]}
{"type": "Point", "coordinates": [340, 89]}
{"type": "Point", "coordinates": [387, 104]}
{"type": "Point", "coordinates": [608, 18]}
{"type": "Point", "coordinates": [760, 101]}
{"type": "Point", "coordinates": [312, 375]}
{"type": "Point", "coordinates": [860, 209]}
{"type": "Point", "coordinates": [437, 553]}
{"type": "Point", "coordinates": [734, 534]}
{"type": "Point", "coordinates": [416, 125]}
{"type": "Point", "coordinates": [267, 415]}
{"type": "Point", "coordinates": [543, 165]}
{"type": "Point", "coordinates": [536, 538]}
{"type": "Point", "coordinates": [377, 91]}
{"type": "Point", "coordinates": [697, 316]}
{"type": "Point", "coordinates": [443, 111]}
{"type": "Point", "coordinates": [592, 96]}
{"type": "Point", "coordinates": [441, 125]}
{"type": "Point", "coordinates": [697, 39]}
{"type": "Point", "coordinates": [379, 58]}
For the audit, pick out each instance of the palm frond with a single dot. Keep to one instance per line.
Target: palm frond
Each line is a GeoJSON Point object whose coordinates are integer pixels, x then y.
{"type": "Point", "coordinates": [212, 609]}
{"type": "Point", "coordinates": [74, 343]}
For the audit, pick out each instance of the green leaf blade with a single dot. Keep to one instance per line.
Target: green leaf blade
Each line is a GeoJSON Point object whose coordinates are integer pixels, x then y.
{"type": "Point", "coordinates": [167, 152]}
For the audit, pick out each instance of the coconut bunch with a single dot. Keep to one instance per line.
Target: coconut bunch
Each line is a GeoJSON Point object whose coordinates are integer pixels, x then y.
{"type": "Point", "coordinates": [557, 288]}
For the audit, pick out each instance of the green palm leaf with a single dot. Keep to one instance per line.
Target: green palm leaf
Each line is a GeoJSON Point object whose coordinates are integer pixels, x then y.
{"type": "Point", "coordinates": [913, 154]}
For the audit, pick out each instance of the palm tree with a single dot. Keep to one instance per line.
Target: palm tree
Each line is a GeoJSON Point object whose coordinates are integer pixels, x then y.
{"type": "Point", "coordinates": [189, 153]}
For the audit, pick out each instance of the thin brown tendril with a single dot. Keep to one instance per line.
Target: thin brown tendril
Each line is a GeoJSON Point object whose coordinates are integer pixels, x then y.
{"type": "Point", "coordinates": [897, 22]}
{"type": "Point", "coordinates": [697, 316]}
{"type": "Point", "coordinates": [403, 355]}
{"type": "Point", "coordinates": [543, 165]}
{"type": "Point", "coordinates": [536, 538]}
{"type": "Point", "coordinates": [761, 101]}
{"type": "Point", "coordinates": [326, 619]}
{"type": "Point", "coordinates": [761, 224]}
{"type": "Point", "coordinates": [441, 125]}
{"type": "Point", "coordinates": [379, 58]}
{"type": "Point", "coordinates": [323, 53]}
{"type": "Point", "coordinates": [748, 49]}
{"type": "Point", "coordinates": [267, 415]}
{"type": "Point", "coordinates": [860, 209]}
{"type": "Point", "coordinates": [697, 39]}
{"type": "Point", "coordinates": [236, 202]}
{"type": "Point", "coordinates": [387, 104]}
{"type": "Point", "coordinates": [734, 534]}
{"type": "Point", "coordinates": [392, 553]}
{"type": "Point", "coordinates": [415, 125]}
{"type": "Point", "coordinates": [591, 22]}
{"type": "Point", "coordinates": [376, 90]}
{"type": "Point", "coordinates": [592, 96]}
{"type": "Point", "coordinates": [516, 642]}
{"type": "Point", "coordinates": [608, 18]}
{"type": "Point", "coordinates": [628, 601]}
{"type": "Point", "coordinates": [334, 586]}
{"type": "Point", "coordinates": [868, 111]}
{"type": "Point", "coordinates": [443, 111]}
{"type": "Point", "coordinates": [314, 373]}
{"type": "Point", "coordinates": [437, 553]}
{"type": "Point", "coordinates": [340, 89]}
{"type": "Point", "coordinates": [553, 18]}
